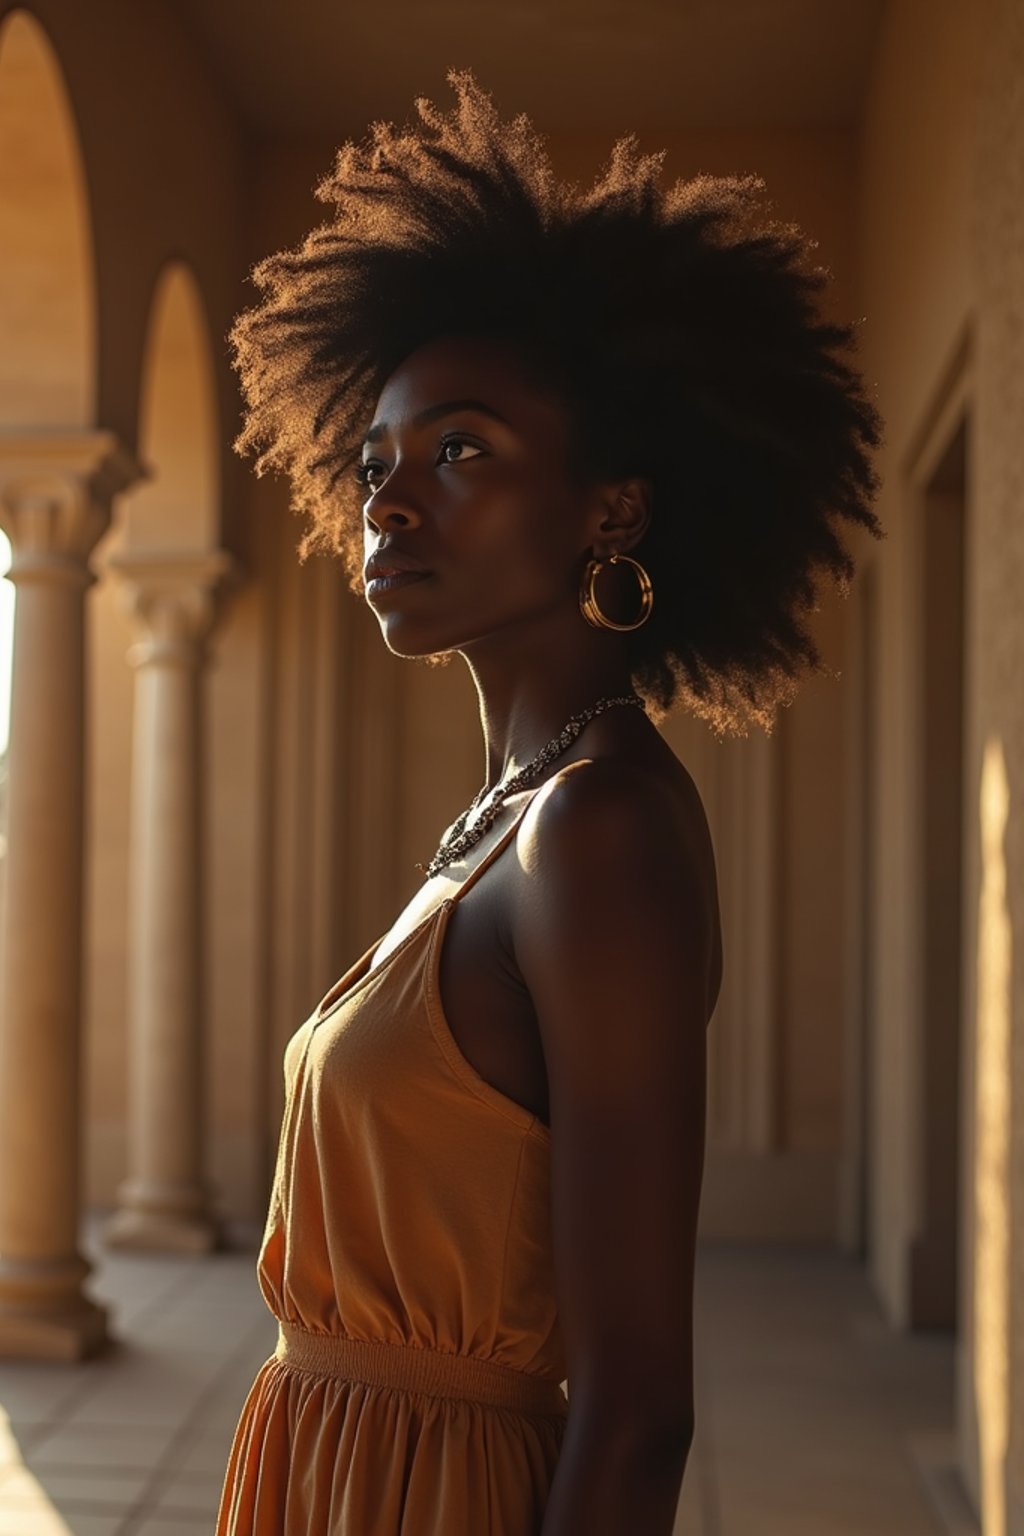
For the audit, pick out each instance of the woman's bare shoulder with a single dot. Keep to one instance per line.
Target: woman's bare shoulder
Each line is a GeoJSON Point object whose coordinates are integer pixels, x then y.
{"type": "Point", "coordinates": [632, 823]}
{"type": "Point", "coordinates": [639, 782]}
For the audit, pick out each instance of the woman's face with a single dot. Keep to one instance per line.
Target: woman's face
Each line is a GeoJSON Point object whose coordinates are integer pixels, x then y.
{"type": "Point", "coordinates": [467, 465]}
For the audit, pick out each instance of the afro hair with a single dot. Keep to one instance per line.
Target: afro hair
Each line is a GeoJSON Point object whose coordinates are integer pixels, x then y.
{"type": "Point", "coordinates": [679, 326]}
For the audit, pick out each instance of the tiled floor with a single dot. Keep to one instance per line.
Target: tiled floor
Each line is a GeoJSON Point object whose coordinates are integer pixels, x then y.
{"type": "Point", "coordinates": [813, 1419]}
{"type": "Point", "coordinates": [135, 1442]}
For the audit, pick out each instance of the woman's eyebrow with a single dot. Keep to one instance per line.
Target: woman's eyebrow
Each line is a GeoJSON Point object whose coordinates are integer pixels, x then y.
{"type": "Point", "coordinates": [432, 412]}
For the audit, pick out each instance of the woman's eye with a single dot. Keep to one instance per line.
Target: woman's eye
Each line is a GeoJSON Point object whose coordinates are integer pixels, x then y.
{"type": "Point", "coordinates": [364, 472]}
{"type": "Point", "coordinates": [370, 472]}
{"type": "Point", "coordinates": [456, 442]}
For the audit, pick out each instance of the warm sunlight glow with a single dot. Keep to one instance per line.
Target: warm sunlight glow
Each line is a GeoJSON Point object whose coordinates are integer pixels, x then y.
{"type": "Point", "coordinates": [6, 641]}
{"type": "Point", "coordinates": [992, 1165]}
{"type": "Point", "coordinates": [25, 1502]}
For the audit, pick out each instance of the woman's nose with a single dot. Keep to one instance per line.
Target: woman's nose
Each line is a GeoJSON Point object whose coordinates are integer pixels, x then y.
{"type": "Point", "coordinates": [393, 516]}
{"type": "Point", "coordinates": [391, 507]}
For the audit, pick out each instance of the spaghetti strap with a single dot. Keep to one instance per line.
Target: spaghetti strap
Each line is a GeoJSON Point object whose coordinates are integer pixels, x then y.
{"type": "Point", "coordinates": [492, 853]}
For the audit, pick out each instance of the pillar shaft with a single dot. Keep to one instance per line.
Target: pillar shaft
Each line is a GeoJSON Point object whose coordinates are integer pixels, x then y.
{"type": "Point", "coordinates": [165, 1202]}
{"type": "Point", "coordinates": [42, 949]}
{"type": "Point", "coordinates": [55, 495]}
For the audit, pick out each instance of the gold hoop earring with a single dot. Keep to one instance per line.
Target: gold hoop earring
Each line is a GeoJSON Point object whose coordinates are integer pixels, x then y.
{"type": "Point", "coordinates": [588, 602]}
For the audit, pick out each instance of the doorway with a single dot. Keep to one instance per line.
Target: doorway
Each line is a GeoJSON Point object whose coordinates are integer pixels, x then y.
{"type": "Point", "coordinates": [933, 1301]}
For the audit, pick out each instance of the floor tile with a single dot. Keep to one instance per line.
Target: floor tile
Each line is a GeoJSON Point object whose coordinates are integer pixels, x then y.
{"type": "Point", "coordinates": [78, 1485]}
{"type": "Point", "coordinates": [189, 1499]}
{"type": "Point", "coordinates": [122, 1446]}
{"type": "Point", "coordinates": [51, 1522]}
{"type": "Point", "coordinates": [167, 1525]}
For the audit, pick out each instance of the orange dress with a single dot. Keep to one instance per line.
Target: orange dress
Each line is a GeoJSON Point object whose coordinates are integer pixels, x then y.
{"type": "Point", "coordinates": [416, 1387]}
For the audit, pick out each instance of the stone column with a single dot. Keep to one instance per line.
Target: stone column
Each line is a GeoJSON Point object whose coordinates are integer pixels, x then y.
{"type": "Point", "coordinates": [165, 1202]}
{"type": "Point", "coordinates": [55, 497]}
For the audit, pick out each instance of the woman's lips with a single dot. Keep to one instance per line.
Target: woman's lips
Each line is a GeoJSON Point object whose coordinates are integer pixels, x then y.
{"type": "Point", "coordinates": [395, 579]}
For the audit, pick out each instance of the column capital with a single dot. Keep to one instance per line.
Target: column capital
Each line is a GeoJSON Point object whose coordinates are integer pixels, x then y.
{"type": "Point", "coordinates": [56, 490]}
{"type": "Point", "coordinates": [174, 598]}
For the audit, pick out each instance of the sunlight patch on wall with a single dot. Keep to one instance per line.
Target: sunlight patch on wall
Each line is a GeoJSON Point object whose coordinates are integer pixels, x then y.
{"type": "Point", "coordinates": [6, 641]}
{"type": "Point", "coordinates": [992, 1163]}
{"type": "Point", "coordinates": [47, 304]}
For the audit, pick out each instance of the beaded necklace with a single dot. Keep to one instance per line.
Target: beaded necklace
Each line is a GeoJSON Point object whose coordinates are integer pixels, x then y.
{"type": "Point", "coordinates": [457, 839]}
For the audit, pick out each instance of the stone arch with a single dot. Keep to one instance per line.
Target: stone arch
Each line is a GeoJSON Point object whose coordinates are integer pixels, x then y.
{"type": "Point", "coordinates": [47, 289]}
{"type": "Point", "coordinates": [177, 507]}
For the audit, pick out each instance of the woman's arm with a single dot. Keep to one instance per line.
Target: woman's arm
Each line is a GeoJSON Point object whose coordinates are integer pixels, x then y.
{"type": "Point", "coordinates": [608, 1485]}
{"type": "Point", "coordinates": [615, 936]}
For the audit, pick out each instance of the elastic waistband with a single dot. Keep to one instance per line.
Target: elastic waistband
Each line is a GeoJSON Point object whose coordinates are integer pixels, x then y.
{"type": "Point", "coordinates": [378, 1363]}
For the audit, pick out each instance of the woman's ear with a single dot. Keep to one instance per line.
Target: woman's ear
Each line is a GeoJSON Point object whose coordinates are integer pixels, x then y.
{"type": "Point", "coordinates": [624, 515]}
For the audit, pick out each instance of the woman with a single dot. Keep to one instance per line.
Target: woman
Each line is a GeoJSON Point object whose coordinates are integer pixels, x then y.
{"type": "Point", "coordinates": [601, 441]}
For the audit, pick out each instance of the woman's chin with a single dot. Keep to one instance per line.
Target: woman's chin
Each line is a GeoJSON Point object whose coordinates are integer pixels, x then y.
{"type": "Point", "coordinates": [404, 637]}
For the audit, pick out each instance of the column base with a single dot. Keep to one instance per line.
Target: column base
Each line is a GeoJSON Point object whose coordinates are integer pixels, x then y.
{"type": "Point", "coordinates": [65, 1336]}
{"type": "Point", "coordinates": [163, 1232]}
